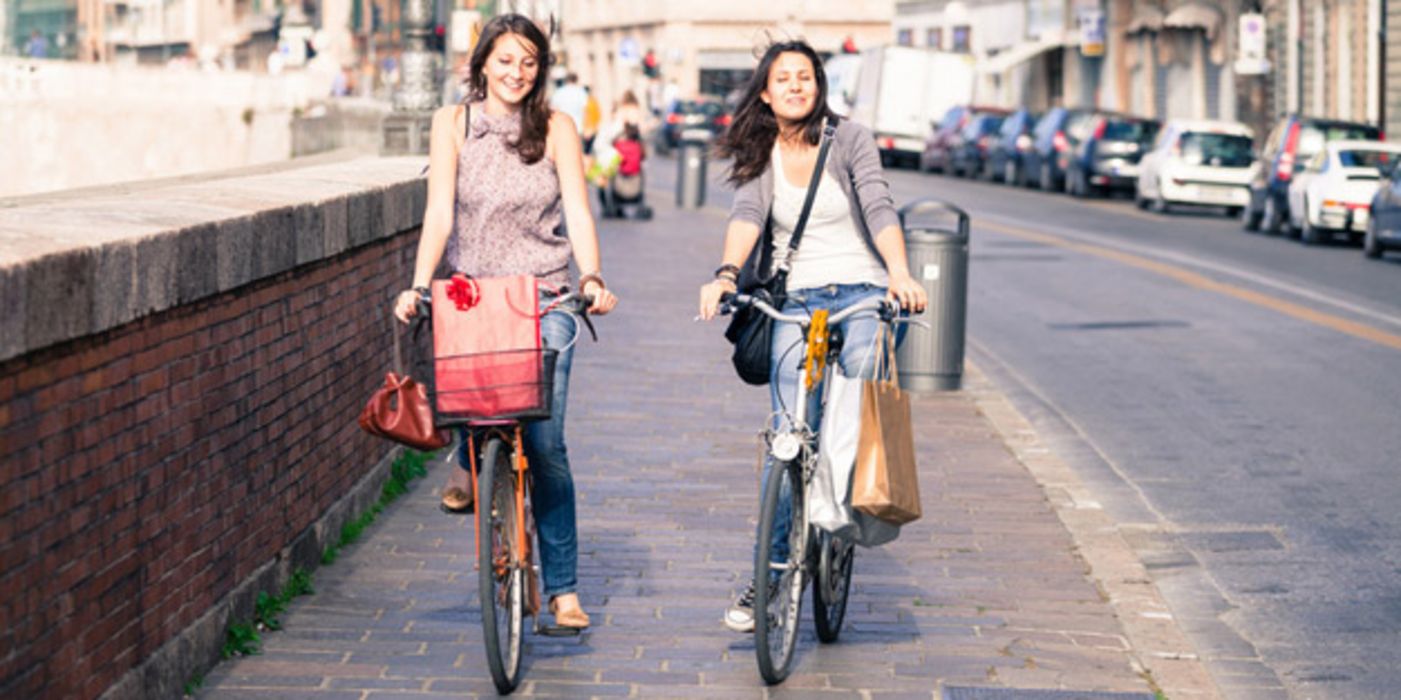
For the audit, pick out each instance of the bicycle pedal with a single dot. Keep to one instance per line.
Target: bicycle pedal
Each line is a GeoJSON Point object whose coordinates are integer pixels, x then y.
{"type": "Point", "coordinates": [558, 631]}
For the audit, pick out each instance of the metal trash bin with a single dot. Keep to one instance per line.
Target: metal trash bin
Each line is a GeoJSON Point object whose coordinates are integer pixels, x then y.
{"type": "Point", "coordinates": [931, 359]}
{"type": "Point", "coordinates": [690, 164]}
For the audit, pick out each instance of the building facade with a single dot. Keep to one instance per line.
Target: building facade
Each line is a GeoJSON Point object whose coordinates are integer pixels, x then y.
{"type": "Point", "coordinates": [700, 47]}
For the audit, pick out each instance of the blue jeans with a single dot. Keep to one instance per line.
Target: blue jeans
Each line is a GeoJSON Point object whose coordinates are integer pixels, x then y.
{"type": "Point", "coordinates": [789, 346]}
{"type": "Point", "coordinates": [552, 483]}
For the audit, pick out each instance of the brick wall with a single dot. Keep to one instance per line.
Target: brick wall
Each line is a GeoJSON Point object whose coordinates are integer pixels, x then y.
{"type": "Point", "coordinates": [154, 467]}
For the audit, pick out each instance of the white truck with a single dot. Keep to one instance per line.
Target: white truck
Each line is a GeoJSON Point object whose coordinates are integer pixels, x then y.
{"type": "Point", "coordinates": [900, 90]}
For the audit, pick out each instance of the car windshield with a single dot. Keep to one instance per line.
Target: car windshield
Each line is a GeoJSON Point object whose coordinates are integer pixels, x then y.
{"type": "Point", "coordinates": [1378, 160]}
{"type": "Point", "coordinates": [952, 118]}
{"type": "Point", "coordinates": [1313, 137]}
{"type": "Point", "coordinates": [988, 124]}
{"type": "Point", "coordinates": [1140, 132]}
{"type": "Point", "coordinates": [709, 109]}
{"type": "Point", "coordinates": [1222, 150]}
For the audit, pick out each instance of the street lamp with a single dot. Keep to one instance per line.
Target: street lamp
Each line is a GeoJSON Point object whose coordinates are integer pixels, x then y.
{"type": "Point", "coordinates": [406, 130]}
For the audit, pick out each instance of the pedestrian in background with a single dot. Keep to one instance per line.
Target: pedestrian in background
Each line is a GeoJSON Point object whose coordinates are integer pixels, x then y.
{"type": "Point", "coordinates": [37, 46]}
{"type": "Point", "coordinates": [571, 99]}
{"type": "Point", "coordinates": [592, 117]}
{"type": "Point", "coordinates": [504, 169]}
{"type": "Point", "coordinates": [852, 248]}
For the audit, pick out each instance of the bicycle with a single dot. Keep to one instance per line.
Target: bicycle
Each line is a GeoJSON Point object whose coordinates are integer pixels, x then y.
{"type": "Point", "coordinates": [813, 554]}
{"type": "Point", "coordinates": [507, 573]}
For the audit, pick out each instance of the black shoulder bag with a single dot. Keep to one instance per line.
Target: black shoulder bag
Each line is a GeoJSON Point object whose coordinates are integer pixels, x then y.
{"type": "Point", "coordinates": [750, 330]}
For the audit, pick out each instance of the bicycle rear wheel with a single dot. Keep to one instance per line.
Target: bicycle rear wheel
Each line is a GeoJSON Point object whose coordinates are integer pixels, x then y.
{"type": "Point", "coordinates": [778, 605]}
{"type": "Point", "coordinates": [836, 559]}
{"type": "Point", "coordinates": [499, 565]}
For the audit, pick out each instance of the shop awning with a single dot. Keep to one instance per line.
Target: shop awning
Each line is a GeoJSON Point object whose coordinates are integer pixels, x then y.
{"type": "Point", "coordinates": [1146, 18]}
{"type": "Point", "coordinates": [1021, 53]}
{"type": "Point", "coordinates": [1195, 15]}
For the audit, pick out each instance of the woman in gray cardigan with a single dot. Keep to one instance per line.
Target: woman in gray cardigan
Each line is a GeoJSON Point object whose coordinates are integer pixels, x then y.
{"type": "Point", "coordinates": [852, 247]}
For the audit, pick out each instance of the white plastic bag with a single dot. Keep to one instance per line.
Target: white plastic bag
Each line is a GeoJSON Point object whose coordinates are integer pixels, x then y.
{"type": "Point", "coordinates": [829, 492]}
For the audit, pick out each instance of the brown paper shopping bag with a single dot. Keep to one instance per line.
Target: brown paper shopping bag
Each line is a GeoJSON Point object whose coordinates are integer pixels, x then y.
{"type": "Point", "coordinates": [885, 483]}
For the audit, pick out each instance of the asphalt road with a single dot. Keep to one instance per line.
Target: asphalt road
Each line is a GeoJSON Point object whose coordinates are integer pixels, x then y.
{"type": "Point", "coordinates": [1233, 398]}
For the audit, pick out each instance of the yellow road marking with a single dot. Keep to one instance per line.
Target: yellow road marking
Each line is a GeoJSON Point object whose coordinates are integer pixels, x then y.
{"type": "Point", "coordinates": [1198, 281]}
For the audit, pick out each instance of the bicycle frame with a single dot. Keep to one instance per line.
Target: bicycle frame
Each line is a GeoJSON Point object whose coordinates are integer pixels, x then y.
{"type": "Point", "coordinates": [512, 433]}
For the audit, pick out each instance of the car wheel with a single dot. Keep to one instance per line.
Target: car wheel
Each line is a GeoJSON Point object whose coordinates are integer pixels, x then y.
{"type": "Point", "coordinates": [1371, 247]}
{"type": "Point", "coordinates": [1233, 212]}
{"type": "Point", "coordinates": [1271, 218]}
{"type": "Point", "coordinates": [1308, 233]}
{"type": "Point", "coordinates": [1249, 218]}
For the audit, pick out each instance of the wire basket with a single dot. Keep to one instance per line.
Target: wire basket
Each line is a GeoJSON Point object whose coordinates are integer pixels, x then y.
{"type": "Point", "coordinates": [501, 385]}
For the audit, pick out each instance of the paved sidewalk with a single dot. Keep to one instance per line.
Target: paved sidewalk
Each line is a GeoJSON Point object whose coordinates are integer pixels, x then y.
{"type": "Point", "coordinates": [988, 590]}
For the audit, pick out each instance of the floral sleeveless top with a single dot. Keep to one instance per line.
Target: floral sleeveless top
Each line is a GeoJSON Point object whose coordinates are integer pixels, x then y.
{"type": "Point", "coordinates": [507, 212]}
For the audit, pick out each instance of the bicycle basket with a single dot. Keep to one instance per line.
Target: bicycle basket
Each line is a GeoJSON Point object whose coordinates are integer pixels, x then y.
{"type": "Point", "coordinates": [500, 385]}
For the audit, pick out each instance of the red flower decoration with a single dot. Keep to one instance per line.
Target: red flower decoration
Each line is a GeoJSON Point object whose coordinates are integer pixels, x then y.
{"type": "Point", "coordinates": [464, 292]}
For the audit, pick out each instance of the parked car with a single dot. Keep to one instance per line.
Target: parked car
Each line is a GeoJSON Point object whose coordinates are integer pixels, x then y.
{"type": "Point", "coordinates": [1384, 220]}
{"type": "Point", "coordinates": [1197, 162]}
{"type": "Point", "coordinates": [1292, 143]}
{"type": "Point", "coordinates": [1334, 192]}
{"type": "Point", "coordinates": [1056, 136]}
{"type": "Point", "coordinates": [1007, 149]}
{"type": "Point", "coordinates": [935, 156]}
{"type": "Point", "coordinates": [1108, 158]}
{"type": "Point", "coordinates": [706, 114]}
{"type": "Point", "coordinates": [946, 136]}
{"type": "Point", "coordinates": [969, 149]}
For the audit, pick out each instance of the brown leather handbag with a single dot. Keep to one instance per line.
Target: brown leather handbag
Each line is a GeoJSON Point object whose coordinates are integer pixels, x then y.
{"type": "Point", "coordinates": [399, 410]}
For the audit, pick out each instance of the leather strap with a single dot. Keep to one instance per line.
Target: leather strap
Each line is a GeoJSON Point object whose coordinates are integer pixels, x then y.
{"type": "Point", "coordinates": [828, 133]}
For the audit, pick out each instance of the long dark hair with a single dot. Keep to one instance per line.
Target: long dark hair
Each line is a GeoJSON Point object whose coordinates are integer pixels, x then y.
{"type": "Point", "coordinates": [749, 140]}
{"type": "Point", "coordinates": [535, 111]}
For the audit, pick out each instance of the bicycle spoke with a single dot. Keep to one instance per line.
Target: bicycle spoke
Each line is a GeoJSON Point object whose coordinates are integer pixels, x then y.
{"type": "Point", "coordinates": [501, 576]}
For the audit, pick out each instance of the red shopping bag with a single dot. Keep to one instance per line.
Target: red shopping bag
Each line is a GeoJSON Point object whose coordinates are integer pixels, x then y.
{"type": "Point", "coordinates": [487, 359]}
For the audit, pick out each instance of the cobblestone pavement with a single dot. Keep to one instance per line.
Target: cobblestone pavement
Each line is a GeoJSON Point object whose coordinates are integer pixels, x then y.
{"type": "Point", "coordinates": [987, 590]}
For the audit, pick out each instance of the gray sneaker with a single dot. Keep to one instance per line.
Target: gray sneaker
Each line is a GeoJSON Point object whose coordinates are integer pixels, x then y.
{"type": "Point", "coordinates": [740, 615]}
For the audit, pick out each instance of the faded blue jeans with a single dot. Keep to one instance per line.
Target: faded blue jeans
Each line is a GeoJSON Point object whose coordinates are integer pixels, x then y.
{"type": "Point", "coordinates": [789, 346]}
{"type": "Point", "coordinates": [552, 483]}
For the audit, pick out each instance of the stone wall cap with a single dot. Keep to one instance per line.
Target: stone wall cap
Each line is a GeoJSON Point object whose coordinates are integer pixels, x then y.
{"type": "Point", "coordinates": [74, 266]}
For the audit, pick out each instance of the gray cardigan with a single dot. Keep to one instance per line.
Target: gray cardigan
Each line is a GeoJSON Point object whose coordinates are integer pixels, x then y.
{"type": "Point", "coordinates": [854, 163]}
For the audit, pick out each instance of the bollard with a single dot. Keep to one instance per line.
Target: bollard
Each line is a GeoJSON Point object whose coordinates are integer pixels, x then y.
{"type": "Point", "coordinates": [931, 359]}
{"type": "Point", "coordinates": [690, 163]}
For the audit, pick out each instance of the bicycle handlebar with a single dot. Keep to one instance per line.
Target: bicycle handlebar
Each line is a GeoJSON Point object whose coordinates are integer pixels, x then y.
{"type": "Point", "coordinates": [885, 309]}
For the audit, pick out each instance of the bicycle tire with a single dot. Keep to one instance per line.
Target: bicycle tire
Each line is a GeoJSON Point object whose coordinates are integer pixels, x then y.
{"type": "Point", "coordinates": [836, 560]}
{"type": "Point", "coordinates": [502, 587]}
{"type": "Point", "coordinates": [776, 621]}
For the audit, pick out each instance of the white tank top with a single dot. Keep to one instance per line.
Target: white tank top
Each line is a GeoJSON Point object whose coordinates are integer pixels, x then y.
{"type": "Point", "coordinates": [831, 251]}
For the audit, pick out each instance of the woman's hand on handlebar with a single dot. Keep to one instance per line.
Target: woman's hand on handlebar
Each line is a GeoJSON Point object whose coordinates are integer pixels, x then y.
{"type": "Point", "coordinates": [907, 292]}
{"type": "Point", "coordinates": [406, 305]}
{"type": "Point", "coordinates": [603, 300]}
{"type": "Point", "coordinates": [710, 294]}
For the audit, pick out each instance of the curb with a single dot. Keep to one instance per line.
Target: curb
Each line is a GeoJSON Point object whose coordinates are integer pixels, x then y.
{"type": "Point", "coordinates": [1160, 650]}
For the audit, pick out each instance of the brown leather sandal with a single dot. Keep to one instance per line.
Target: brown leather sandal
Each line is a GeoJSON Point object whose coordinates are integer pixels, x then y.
{"type": "Point", "coordinates": [456, 500]}
{"type": "Point", "coordinates": [576, 619]}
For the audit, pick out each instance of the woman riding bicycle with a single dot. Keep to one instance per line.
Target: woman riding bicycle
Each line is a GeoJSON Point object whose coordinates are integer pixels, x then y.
{"type": "Point", "coordinates": [852, 248]}
{"type": "Point", "coordinates": [502, 168]}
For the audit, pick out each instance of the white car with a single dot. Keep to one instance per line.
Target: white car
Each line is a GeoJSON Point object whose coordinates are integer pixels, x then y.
{"type": "Point", "coordinates": [1197, 162]}
{"type": "Point", "coordinates": [1334, 192]}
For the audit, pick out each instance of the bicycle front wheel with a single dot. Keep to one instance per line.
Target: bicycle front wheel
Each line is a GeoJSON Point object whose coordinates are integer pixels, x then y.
{"type": "Point", "coordinates": [500, 565]}
{"type": "Point", "coordinates": [830, 586]}
{"type": "Point", "coordinates": [777, 606]}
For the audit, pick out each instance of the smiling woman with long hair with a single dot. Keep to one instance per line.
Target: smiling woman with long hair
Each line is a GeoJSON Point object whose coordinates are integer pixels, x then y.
{"type": "Point", "coordinates": [503, 171]}
{"type": "Point", "coordinates": [852, 248]}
